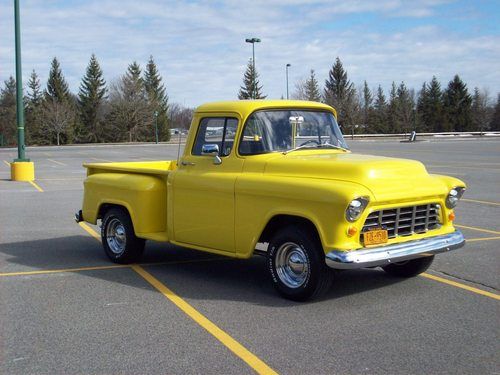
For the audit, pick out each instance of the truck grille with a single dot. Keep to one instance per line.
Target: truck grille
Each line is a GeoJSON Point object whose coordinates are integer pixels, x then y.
{"type": "Point", "coordinates": [404, 221]}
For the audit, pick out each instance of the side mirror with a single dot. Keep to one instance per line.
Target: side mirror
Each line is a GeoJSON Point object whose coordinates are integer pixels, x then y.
{"type": "Point", "coordinates": [212, 149]}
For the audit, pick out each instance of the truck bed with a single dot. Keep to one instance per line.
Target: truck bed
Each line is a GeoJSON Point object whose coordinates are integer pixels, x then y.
{"type": "Point", "coordinates": [142, 167]}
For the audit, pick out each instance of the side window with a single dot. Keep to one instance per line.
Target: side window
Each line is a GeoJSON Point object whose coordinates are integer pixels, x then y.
{"type": "Point", "coordinates": [216, 130]}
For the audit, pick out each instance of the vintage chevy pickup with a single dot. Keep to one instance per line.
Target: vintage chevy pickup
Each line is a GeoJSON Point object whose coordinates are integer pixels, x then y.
{"type": "Point", "coordinates": [278, 176]}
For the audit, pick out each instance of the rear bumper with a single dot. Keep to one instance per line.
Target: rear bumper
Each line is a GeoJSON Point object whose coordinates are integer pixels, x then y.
{"type": "Point", "coordinates": [78, 216]}
{"type": "Point", "coordinates": [384, 255]}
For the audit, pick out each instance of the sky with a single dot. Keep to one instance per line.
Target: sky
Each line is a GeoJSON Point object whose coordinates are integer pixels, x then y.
{"type": "Point", "coordinates": [200, 49]}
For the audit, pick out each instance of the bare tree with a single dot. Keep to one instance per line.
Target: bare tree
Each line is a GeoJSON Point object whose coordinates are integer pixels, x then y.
{"type": "Point", "coordinates": [58, 117]}
{"type": "Point", "coordinates": [300, 90]}
{"type": "Point", "coordinates": [180, 117]}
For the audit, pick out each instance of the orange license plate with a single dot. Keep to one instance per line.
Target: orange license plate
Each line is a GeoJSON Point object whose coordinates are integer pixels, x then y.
{"type": "Point", "coordinates": [375, 237]}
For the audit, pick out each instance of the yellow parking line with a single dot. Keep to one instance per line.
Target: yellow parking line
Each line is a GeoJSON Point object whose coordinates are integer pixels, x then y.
{"type": "Point", "coordinates": [7, 163]}
{"type": "Point", "coordinates": [478, 229]}
{"type": "Point", "coordinates": [483, 202]}
{"type": "Point", "coordinates": [90, 231]}
{"type": "Point", "coordinates": [251, 359]}
{"type": "Point", "coordinates": [36, 186]}
{"type": "Point", "coordinates": [57, 162]}
{"type": "Point", "coordinates": [460, 285]}
{"type": "Point", "coordinates": [94, 268]}
{"type": "Point", "coordinates": [483, 239]}
{"type": "Point", "coordinates": [44, 272]}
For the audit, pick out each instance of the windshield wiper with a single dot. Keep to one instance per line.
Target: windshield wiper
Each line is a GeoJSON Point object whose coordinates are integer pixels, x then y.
{"type": "Point", "coordinates": [326, 144]}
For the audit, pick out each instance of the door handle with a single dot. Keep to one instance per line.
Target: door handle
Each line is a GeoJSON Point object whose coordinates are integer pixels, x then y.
{"type": "Point", "coordinates": [187, 163]}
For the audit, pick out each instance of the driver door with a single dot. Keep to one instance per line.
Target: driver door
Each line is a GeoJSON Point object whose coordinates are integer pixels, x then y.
{"type": "Point", "coordinates": [204, 189]}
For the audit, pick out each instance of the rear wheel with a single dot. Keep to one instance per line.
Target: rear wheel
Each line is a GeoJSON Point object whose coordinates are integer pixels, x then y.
{"type": "Point", "coordinates": [296, 262]}
{"type": "Point", "coordinates": [409, 268]}
{"type": "Point", "coordinates": [118, 237]}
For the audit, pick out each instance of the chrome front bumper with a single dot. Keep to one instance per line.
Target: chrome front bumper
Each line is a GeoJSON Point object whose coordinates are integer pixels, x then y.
{"type": "Point", "coordinates": [384, 255]}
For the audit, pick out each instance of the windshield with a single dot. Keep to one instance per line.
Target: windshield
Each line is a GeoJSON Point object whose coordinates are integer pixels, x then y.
{"type": "Point", "coordinates": [288, 130]}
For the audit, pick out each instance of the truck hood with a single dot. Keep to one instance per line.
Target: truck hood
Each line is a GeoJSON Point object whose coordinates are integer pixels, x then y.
{"type": "Point", "coordinates": [388, 179]}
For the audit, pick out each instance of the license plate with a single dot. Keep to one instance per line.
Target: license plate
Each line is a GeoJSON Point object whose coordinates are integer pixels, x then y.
{"type": "Point", "coordinates": [375, 237]}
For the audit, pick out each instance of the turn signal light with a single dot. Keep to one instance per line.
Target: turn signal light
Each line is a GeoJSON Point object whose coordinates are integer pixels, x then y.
{"type": "Point", "coordinates": [351, 231]}
{"type": "Point", "coordinates": [451, 216]}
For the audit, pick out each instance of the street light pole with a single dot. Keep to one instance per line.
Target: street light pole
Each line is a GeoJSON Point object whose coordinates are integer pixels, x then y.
{"type": "Point", "coordinates": [156, 126]}
{"type": "Point", "coordinates": [254, 88]}
{"type": "Point", "coordinates": [287, 66]}
{"type": "Point", "coordinates": [21, 157]}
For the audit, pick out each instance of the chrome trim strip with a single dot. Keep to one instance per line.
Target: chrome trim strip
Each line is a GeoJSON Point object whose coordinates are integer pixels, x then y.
{"type": "Point", "coordinates": [384, 255]}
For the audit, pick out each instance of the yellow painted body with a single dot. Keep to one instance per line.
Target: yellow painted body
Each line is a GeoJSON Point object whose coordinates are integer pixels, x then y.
{"type": "Point", "coordinates": [225, 208]}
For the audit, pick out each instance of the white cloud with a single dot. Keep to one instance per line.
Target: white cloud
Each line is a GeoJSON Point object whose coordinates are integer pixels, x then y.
{"type": "Point", "coordinates": [200, 49]}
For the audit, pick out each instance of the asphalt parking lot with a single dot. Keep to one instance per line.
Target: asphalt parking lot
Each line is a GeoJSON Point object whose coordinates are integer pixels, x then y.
{"type": "Point", "coordinates": [65, 309]}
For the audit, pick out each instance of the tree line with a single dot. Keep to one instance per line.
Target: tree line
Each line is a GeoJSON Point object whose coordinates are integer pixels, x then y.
{"type": "Point", "coordinates": [365, 110]}
{"type": "Point", "coordinates": [128, 110]}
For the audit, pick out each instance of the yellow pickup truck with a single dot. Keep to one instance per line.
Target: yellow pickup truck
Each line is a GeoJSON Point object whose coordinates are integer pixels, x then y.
{"type": "Point", "coordinates": [277, 176]}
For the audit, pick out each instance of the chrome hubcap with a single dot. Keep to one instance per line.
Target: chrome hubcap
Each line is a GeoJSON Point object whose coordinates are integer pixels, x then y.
{"type": "Point", "coordinates": [115, 236]}
{"type": "Point", "coordinates": [291, 265]}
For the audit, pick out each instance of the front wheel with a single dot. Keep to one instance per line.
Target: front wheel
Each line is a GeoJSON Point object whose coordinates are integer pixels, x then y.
{"type": "Point", "coordinates": [296, 262]}
{"type": "Point", "coordinates": [409, 268]}
{"type": "Point", "coordinates": [118, 237]}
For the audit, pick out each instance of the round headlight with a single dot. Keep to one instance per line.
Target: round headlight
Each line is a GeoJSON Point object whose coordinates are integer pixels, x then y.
{"type": "Point", "coordinates": [454, 196]}
{"type": "Point", "coordinates": [356, 208]}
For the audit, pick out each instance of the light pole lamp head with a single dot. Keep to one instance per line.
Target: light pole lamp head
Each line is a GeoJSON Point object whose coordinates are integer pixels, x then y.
{"type": "Point", "coordinates": [156, 113]}
{"type": "Point", "coordinates": [288, 65]}
{"type": "Point", "coordinates": [252, 40]}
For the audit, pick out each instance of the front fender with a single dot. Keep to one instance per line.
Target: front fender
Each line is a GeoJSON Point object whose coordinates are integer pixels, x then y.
{"type": "Point", "coordinates": [321, 201]}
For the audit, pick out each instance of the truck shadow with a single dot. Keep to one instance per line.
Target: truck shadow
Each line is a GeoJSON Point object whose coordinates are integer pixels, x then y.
{"type": "Point", "coordinates": [190, 274]}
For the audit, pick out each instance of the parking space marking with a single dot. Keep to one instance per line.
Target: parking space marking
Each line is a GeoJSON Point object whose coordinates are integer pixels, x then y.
{"type": "Point", "coordinates": [57, 162]}
{"type": "Point", "coordinates": [251, 359]}
{"type": "Point", "coordinates": [7, 163]}
{"type": "Point", "coordinates": [478, 229]}
{"type": "Point", "coordinates": [478, 201]}
{"type": "Point", "coordinates": [36, 186]}
{"type": "Point", "coordinates": [90, 231]}
{"type": "Point", "coordinates": [248, 357]}
{"type": "Point", "coordinates": [461, 286]}
{"type": "Point", "coordinates": [483, 239]}
{"type": "Point", "coordinates": [63, 270]}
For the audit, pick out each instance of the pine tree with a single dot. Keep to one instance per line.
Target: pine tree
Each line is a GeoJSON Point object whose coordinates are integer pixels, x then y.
{"type": "Point", "coordinates": [380, 112]}
{"type": "Point", "coordinates": [157, 98]}
{"type": "Point", "coordinates": [367, 106]}
{"type": "Point", "coordinates": [422, 105]}
{"type": "Point", "coordinates": [57, 88]}
{"type": "Point", "coordinates": [34, 101]}
{"type": "Point", "coordinates": [404, 109]}
{"type": "Point", "coordinates": [91, 98]}
{"type": "Point", "coordinates": [495, 120]}
{"type": "Point", "coordinates": [480, 112]}
{"type": "Point", "coordinates": [130, 113]}
{"type": "Point", "coordinates": [312, 88]}
{"type": "Point", "coordinates": [392, 109]}
{"type": "Point", "coordinates": [457, 105]}
{"type": "Point", "coordinates": [340, 93]}
{"type": "Point", "coordinates": [8, 112]}
{"type": "Point", "coordinates": [251, 88]}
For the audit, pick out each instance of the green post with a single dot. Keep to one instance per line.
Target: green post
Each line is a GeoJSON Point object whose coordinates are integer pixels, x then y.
{"type": "Point", "coordinates": [156, 126]}
{"type": "Point", "coordinates": [21, 147]}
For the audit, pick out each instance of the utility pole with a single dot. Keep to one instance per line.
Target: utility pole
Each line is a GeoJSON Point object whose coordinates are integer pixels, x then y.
{"type": "Point", "coordinates": [287, 66]}
{"type": "Point", "coordinates": [156, 126]}
{"type": "Point", "coordinates": [254, 84]}
{"type": "Point", "coordinates": [21, 169]}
